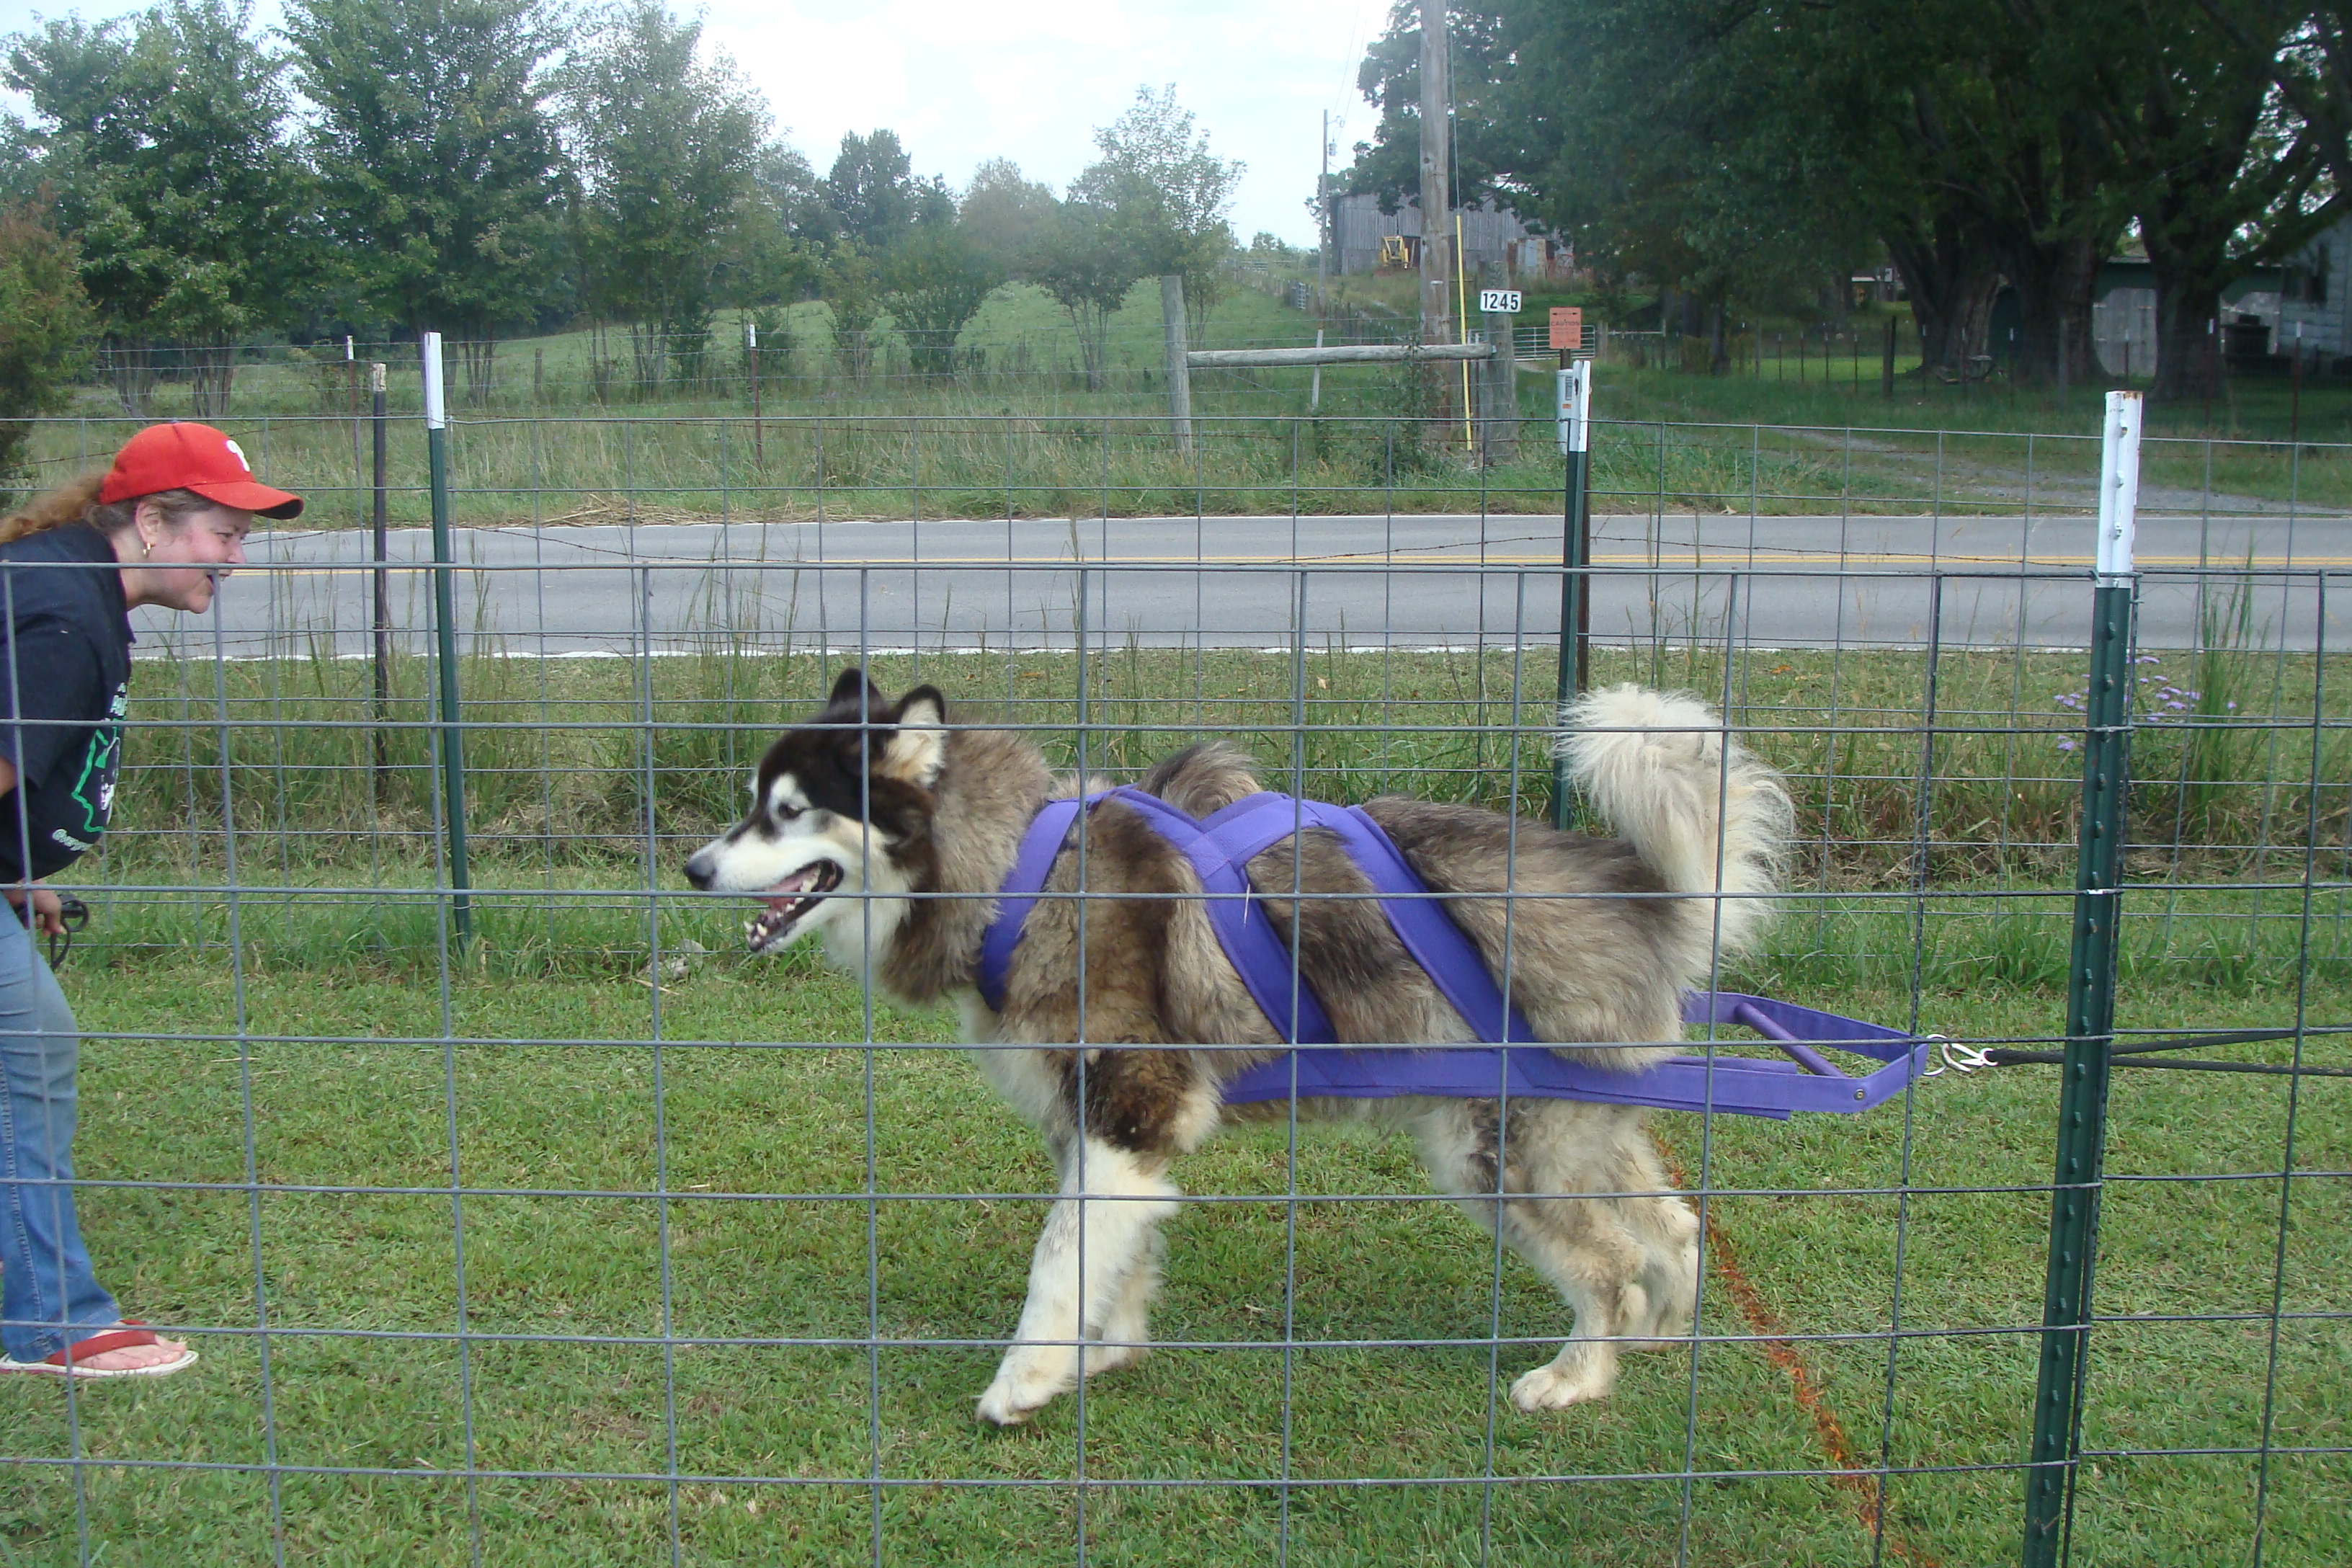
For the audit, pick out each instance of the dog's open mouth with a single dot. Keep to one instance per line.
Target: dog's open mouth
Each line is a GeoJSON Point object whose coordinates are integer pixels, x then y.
{"type": "Point", "coordinates": [791, 900]}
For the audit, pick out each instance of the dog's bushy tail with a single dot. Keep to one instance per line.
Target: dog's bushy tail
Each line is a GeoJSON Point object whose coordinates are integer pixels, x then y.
{"type": "Point", "coordinates": [1698, 806]}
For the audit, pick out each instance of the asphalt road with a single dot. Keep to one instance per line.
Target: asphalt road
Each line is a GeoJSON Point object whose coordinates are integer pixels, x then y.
{"type": "Point", "coordinates": [1261, 582]}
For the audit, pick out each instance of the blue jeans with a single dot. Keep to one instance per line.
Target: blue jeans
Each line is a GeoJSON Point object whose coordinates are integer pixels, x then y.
{"type": "Point", "coordinates": [45, 1283]}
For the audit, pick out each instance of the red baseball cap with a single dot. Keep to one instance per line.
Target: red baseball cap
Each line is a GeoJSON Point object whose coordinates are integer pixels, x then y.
{"type": "Point", "coordinates": [190, 456]}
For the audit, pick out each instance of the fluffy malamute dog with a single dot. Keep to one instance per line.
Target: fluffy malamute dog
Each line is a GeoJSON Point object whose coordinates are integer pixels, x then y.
{"type": "Point", "coordinates": [860, 819]}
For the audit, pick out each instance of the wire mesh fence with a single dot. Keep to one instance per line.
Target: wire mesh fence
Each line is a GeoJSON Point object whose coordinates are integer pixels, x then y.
{"type": "Point", "coordinates": [521, 1215]}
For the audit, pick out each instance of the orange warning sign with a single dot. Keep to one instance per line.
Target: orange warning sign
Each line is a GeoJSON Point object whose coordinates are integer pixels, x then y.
{"type": "Point", "coordinates": [1567, 327]}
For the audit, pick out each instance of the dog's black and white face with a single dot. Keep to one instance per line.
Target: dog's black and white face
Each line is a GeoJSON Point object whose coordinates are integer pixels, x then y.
{"type": "Point", "coordinates": [839, 829]}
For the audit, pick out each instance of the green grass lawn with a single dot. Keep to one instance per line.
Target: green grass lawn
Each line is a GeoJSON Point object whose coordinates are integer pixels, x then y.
{"type": "Point", "coordinates": [677, 1263]}
{"type": "Point", "coordinates": [1858, 1225]}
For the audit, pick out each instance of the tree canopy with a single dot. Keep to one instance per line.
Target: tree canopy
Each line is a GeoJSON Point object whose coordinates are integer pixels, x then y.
{"type": "Point", "coordinates": [438, 162]}
{"type": "Point", "coordinates": [164, 144]}
{"type": "Point", "coordinates": [664, 145]}
{"type": "Point", "coordinates": [1761, 149]}
{"type": "Point", "coordinates": [481, 167]}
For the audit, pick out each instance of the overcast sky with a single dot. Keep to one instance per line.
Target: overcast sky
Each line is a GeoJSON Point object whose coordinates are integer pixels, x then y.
{"type": "Point", "coordinates": [961, 82]}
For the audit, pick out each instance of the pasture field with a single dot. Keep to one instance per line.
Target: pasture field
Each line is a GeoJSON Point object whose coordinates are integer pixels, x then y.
{"type": "Point", "coordinates": [983, 459]}
{"type": "Point", "coordinates": [1021, 346]}
{"type": "Point", "coordinates": [539, 1285]}
{"type": "Point", "coordinates": [1017, 432]}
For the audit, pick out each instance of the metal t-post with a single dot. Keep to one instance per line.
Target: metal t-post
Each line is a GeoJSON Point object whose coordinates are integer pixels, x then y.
{"type": "Point", "coordinates": [1573, 390]}
{"type": "Point", "coordinates": [2090, 1005]}
{"type": "Point", "coordinates": [379, 418]}
{"type": "Point", "coordinates": [444, 636]}
{"type": "Point", "coordinates": [752, 361]}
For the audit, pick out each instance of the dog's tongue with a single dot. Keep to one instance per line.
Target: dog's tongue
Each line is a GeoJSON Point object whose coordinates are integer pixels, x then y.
{"type": "Point", "coordinates": [786, 891]}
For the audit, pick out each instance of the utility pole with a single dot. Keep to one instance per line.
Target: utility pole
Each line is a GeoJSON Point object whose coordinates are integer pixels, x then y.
{"type": "Point", "coordinates": [1436, 204]}
{"type": "Point", "coordinates": [1327, 211]}
{"type": "Point", "coordinates": [1327, 235]}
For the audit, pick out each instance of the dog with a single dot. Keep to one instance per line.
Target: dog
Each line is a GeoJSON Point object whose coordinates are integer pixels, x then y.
{"type": "Point", "coordinates": [886, 832]}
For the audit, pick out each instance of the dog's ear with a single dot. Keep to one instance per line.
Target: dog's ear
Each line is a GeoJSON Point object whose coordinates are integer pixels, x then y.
{"type": "Point", "coordinates": [846, 700]}
{"type": "Point", "coordinates": [918, 747]}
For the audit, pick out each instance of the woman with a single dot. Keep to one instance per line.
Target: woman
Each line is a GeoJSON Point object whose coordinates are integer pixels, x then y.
{"type": "Point", "coordinates": [160, 527]}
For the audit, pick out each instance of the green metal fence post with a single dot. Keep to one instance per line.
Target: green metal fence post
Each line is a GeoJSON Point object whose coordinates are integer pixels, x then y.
{"type": "Point", "coordinates": [444, 640]}
{"type": "Point", "coordinates": [1573, 395]}
{"type": "Point", "coordinates": [2090, 1005]}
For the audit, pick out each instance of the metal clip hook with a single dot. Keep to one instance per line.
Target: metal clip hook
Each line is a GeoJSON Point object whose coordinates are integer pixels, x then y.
{"type": "Point", "coordinates": [1960, 1059]}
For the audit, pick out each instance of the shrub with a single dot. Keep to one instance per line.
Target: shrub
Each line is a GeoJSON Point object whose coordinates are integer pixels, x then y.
{"type": "Point", "coordinates": [44, 328]}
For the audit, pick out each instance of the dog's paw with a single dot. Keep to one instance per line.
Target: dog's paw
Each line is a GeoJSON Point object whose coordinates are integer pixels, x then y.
{"type": "Point", "coordinates": [1023, 1387]}
{"type": "Point", "coordinates": [1554, 1387]}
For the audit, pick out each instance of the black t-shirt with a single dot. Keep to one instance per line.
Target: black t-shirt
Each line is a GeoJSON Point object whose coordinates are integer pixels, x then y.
{"type": "Point", "coordinates": [65, 676]}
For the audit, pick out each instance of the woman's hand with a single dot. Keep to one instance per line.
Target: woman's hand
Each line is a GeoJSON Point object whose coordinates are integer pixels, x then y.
{"type": "Point", "coordinates": [48, 910]}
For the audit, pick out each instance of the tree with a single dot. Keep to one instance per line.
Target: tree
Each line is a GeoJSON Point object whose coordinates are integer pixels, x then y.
{"type": "Point", "coordinates": [1485, 134]}
{"type": "Point", "coordinates": [436, 158]}
{"type": "Point", "coordinates": [770, 263]}
{"type": "Point", "coordinates": [1673, 141]}
{"type": "Point", "coordinates": [1006, 214]}
{"type": "Point", "coordinates": [1165, 194]}
{"type": "Point", "coordinates": [162, 139]}
{"type": "Point", "coordinates": [934, 282]}
{"type": "Point", "coordinates": [852, 292]}
{"type": "Point", "coordinates": [1082, 261]}
{"type": "Point", "coordinates": [44, 326]}
{"type": "Point", "coordinates": [2310, 68]}
{"type": "Point", "coordinates": [872, 196]}
{"type": "Point", "coordinates": [1734, 148]}
{"type": "Point", "coordinates": [666, 146]}
{"type": "Point", "coordinates": [2221, 175]}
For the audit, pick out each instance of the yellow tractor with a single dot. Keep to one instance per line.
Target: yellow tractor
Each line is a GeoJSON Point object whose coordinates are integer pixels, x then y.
{"type": "Point", "coordinates": [1395, 252]}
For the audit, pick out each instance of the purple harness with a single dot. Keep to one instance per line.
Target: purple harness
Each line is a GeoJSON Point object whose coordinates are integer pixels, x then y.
{"type": "Point", "coordinates": [1221, 846]}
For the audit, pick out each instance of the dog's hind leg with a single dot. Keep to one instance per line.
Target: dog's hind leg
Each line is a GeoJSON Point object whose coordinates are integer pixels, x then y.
{"type": "Point", "coordinates": [1668, 1231]}
{"type": "Point", "coordinates": [1532, 1183]}
{"type": "Point", "coordinates": [1091, 1277]}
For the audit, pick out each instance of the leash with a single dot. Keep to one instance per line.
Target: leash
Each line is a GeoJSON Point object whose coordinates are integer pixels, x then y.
{"type": "Point", "coordinates": [1965, 1058]}
{"type": "Point", "coordinates": [1222, 844]}
{"type": "Point", "coordinates": [73, 915]}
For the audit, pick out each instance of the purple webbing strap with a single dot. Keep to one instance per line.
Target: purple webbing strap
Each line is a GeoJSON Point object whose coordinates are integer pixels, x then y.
{"type": "Point", "coordinates": [1032, 864]}
{"type": "Point", "coordinates": [1223, 845]}
{"type": "Point", "coordinates": [1256, 823]}
{"type": "Point", "coordinates": [1728, 1085]}
{"type": "Point", "coordinates": [1254, 947]}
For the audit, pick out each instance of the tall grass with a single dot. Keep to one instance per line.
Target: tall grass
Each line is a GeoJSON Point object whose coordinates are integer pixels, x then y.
{"type": "Point", "coordinates": [568, 761]}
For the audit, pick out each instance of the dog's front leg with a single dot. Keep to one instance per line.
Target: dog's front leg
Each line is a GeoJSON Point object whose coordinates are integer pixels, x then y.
{"type": "Point", "coordinates": [1098, 1240]}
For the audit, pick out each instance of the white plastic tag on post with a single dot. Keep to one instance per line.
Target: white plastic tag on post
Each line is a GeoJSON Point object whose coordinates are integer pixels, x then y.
{"type": "Point", "coordinates": [1573, 400]}
{"type": "Point", "coordinates": [2118, 489]}
{"type": "Point", "coordinates": [436, 413]}
{"type": "Point", "coordinates": [751, 334]}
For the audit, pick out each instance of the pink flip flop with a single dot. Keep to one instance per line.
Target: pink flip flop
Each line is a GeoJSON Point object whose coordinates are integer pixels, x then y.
{"type": "Point", "coordinates": [67, 1362]}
